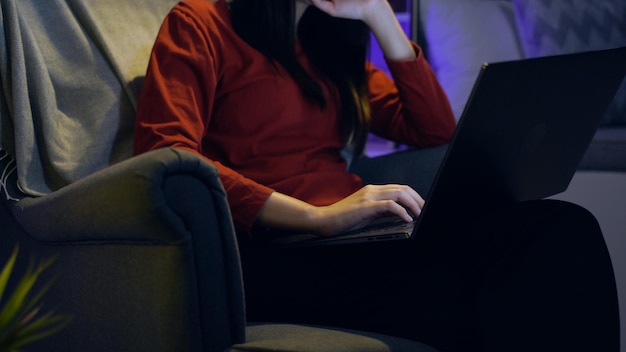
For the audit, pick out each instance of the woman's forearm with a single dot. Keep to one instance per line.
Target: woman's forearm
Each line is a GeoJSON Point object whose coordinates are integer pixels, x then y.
{"type": "Point", "coordinates": [370, 202]}
{"type": "Point", "coordinates": [389, 34]}
{"type": "Point", "coordinates": [287, 213]}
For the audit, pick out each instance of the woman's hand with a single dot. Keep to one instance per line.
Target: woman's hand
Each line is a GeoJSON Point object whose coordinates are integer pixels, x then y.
{"type": "Point", "coordinates": [352, 9]}
{"type": "Point", "coordinates": [367, 204]}
{"type": "Point", "coordinates": [379, 17]}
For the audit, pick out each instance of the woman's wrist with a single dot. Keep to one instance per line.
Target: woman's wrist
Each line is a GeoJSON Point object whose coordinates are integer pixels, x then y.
{"type": "Point", "coordinates": [382, 21]}
{"type": "Point", "coordinates": [377, 12]}
{"type": "Point", "coordinates": [283, 212]}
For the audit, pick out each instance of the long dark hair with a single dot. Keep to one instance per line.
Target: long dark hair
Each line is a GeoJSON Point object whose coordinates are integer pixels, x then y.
{"type": "Point", "coordinates": [338, 48]}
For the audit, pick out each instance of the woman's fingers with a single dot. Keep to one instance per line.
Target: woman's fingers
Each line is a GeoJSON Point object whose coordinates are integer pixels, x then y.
{"type": "Point", "coordinates": [369, 203]}
{"type": "Point", "coordinates": [326, 6]}
{"type": "Point", "coordinates": [407, 197]}
{"type": "Point", "coordinates": [352, 9]}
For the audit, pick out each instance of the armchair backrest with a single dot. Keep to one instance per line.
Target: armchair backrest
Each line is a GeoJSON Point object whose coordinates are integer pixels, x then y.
{"type": "Point", "coordinates": [71, 71]}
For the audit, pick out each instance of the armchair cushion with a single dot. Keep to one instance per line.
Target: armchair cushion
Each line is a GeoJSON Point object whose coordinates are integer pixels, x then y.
{"type": "Point", "coordinates": [300, 338]}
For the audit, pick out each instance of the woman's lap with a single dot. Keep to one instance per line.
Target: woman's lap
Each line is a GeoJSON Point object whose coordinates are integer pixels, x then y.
{"type": "Point", "coordinates": [528, 276]}
{"type": "Point", "coordinates": [540, 273]}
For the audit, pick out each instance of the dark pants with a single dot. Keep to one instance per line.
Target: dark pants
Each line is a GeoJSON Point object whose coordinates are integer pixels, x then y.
{"type": "Point", "coordinates": [533, 276]}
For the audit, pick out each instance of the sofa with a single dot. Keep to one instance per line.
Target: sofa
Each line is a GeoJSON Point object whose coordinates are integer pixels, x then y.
{"type": "Point", "coordinates": [145, 254]}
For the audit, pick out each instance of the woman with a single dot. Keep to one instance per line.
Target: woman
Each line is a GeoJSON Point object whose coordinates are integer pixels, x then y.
{"type": "Point", "coordinates": [234, 88]}
{"type": "Point", "coordinates": [271, 92]}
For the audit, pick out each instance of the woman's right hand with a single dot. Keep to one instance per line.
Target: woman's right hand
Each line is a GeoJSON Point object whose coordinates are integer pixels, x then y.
{"type": "Point", "coordinates": [379, 17]}
{"type": "Point", "coordinates": [357, 210]}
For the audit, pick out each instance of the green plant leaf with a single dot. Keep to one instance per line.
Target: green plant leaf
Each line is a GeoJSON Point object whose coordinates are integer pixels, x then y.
{"type": "Point", "coordinates": [19, 324]}
{"type": "Point", "coordinates": [10, 312]}
{"type": "Point", "coordinates": [39, 296]}
{"type": "Point", "coordinates": [37, 330]}
{"type": "Point", "coordinates": [16, 306]}
{"type": "Point", "coordinates": [6, 272]}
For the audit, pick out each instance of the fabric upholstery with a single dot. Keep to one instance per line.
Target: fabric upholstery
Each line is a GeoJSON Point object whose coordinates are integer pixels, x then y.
{"type": "Point", "coordinates": [8, 178]}
{"type": "Point", "coordinates": [114, 203]}
{"type": "Point", "coordinates": [86, 84]}
{"type": "Point", "coordinates": [554, 27]}
{"type": "Point", "coordinates": [460, 40]}
{"type": "Point", "coordinates": [147, 258]}
{"type": "Point", "coordinates": [173, 283]}
{"type": "Point", "coordinates": [299, 338]}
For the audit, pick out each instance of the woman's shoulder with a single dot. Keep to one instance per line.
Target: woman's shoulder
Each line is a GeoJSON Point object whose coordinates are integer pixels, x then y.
{"type": "Point", "coordinates": [207, 13]}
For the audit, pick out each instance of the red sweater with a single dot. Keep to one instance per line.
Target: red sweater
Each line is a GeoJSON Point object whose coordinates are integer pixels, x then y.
{"type": "Point", "coordinates": [208, 92]}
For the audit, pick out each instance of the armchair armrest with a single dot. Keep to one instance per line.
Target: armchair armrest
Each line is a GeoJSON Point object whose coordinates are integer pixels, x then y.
{"type": "Point", "coordinates": [124, 202]}
{"type": "Point", "coordinates": [147, 257]}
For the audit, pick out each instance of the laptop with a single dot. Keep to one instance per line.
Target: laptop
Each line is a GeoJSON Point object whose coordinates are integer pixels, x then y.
{"type": "Point", "coordinates": [524, 130]}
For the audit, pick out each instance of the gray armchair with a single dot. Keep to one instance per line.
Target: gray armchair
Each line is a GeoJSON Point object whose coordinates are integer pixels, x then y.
{"type": "Point", "coordinates": [146, 254]}
{"type": "Point", "coordinates": [147, 260]}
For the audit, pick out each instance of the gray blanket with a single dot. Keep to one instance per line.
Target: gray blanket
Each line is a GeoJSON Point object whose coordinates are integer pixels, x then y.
{"type": "Point", "coordinates": [70, 72]}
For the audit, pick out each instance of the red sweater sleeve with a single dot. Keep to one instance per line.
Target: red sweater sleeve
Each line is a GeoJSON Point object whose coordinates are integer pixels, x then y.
{"type": "Point", "coordinates": [413, 107]}
{"type": "Point", "coordinates": [176, 104]}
